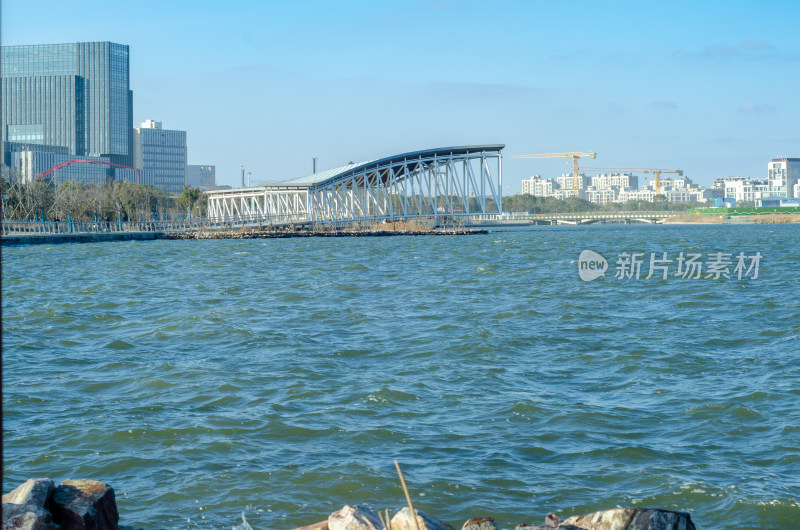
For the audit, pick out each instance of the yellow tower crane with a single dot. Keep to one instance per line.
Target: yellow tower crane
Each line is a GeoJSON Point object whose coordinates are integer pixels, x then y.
{"type": "Point", "coordinates": [656, 172]}
{"type": "Point", "coordinates": [573, 156]}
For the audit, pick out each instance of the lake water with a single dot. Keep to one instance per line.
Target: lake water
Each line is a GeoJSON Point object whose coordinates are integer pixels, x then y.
{"type": "Point", "coordinates": [280, 378]}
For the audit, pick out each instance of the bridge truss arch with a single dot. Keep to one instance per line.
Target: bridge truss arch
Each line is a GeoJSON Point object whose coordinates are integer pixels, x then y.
{"type": "Point", "coordinates": [444, 182]}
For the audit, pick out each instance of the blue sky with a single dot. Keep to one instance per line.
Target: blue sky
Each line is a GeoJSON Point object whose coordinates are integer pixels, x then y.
{"type": "Point", "coordinates": [710, 87]}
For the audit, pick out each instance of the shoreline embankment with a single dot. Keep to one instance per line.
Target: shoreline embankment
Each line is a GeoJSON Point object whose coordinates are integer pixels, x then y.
{"type": "Point", "coordinates": [98, 237]}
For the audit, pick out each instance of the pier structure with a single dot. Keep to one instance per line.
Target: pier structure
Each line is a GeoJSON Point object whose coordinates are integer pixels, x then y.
{"type": "Point", "coordinates": [443, 182]}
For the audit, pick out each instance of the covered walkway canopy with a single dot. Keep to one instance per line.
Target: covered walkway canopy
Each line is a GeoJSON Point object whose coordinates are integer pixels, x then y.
{"type": "Point", "coordinates": [450, 181]}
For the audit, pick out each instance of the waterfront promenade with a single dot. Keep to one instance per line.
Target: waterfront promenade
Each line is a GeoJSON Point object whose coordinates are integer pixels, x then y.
{"type": "Point", "coordinates": [47, 232]}
{"type": "Point", "coordinates": [32, 232]}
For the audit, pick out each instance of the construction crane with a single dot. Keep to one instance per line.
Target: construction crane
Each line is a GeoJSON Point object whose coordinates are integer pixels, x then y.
{"type": "Point", "coordinates": [656, 172]}
{"type": "Point", "coordinates": [573, 156]}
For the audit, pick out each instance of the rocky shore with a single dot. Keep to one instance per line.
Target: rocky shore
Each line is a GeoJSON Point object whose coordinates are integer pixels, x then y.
{"type": "Point", "coordinates": [271, 234]}
{"type": "Point", "coordinates": [40, 504]}
{"type": "Point", "coordinates": [363, 518]}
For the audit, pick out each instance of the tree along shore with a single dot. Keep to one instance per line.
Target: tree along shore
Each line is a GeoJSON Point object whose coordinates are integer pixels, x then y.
{"type": "Point", "coordinates": [47, 200]}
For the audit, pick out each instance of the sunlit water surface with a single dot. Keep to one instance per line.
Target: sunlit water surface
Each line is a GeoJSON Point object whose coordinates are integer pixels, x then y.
{"type": "Point", "coordinates": [280, 378]}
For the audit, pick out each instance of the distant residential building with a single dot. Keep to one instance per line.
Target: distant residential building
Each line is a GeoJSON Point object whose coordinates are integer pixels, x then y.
{"type": "Point", "coordinates": [615, 180]}
{"type": "Point", "coordinates": [783, 174]}
{"type": "Point", "coordinates": [200, 176]}
{"type": "Point", "coordinates": [160, 154]}
{"type": "Point", "coordinates": [708, 195]}
{"type": "Point", "coordinates": [601, 195]}
{"type": "Point", "coordinates": [538, 187]}
{"type": "Point", "coordinates": [682, 194]}
{"type": "Point", "coordinates": [560, 193]}
{"type": "Point", "coordinates": [566, 182]}
{"type": "Point", "coordinates": [645, 194]}
{"type": "Point", "coordinates": [64, 102]}
{"type": "Point", "coordinates": [742, 189]}
{"type": "Point", "coordinates": [677, 182]}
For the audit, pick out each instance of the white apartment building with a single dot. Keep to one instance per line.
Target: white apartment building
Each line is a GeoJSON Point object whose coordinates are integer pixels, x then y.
{"type": "Point", "coordinates": [565, 181]}
{"type": "Point", "coordinates": [538, 187]}
{"type": "Point", "coordinates": [645, 194]}
{"type": "Point", "coordinates": [684, 195]}
{"type": "Point", "coordinates": [743, 189]}
{"type": "Point", "coordinates": [601, 195]}
{"type": "Point", "coordinates": [567, 193]}
{"type": "Point", "coordinates": [617, 180]}
{"type": "Point", "coordinates": [783, 173]}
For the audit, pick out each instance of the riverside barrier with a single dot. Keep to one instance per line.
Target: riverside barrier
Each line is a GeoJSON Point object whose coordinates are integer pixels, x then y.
{"type": "Point", "coordinates": [33, 232]}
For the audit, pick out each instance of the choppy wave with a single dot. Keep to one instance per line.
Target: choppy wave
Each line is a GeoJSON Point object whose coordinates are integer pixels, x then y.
{"type": "Point", "coordinates": [267, 383]}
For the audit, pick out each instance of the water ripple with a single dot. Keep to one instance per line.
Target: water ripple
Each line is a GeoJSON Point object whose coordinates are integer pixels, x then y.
{"type": "Point", "coordinates": [280, 378]}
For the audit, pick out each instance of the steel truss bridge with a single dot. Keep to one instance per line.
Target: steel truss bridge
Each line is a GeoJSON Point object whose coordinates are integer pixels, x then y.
{"type": "Point", "coordinates": [442, 183]}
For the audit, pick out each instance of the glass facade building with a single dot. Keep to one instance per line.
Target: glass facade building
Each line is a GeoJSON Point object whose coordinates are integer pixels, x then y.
{"type": "Point", "coordinates": [161, 156]}
{"type": "Point", "coordinates": [75, 96]}
{"type": "Point", "coordinates": [203, 177]}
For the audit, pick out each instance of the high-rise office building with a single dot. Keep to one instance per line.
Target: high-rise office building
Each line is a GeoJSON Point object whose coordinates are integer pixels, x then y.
{"type": "Point", "coordinates": [201, 176]}
{"type": "Point", "coordinates": [160, 154]}
{"type": "Point", "coordinates": [67, 101]}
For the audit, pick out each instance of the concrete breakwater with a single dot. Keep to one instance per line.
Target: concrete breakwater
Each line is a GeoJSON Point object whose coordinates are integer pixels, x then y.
{"type": "Point", "coordinates": [38, 504]}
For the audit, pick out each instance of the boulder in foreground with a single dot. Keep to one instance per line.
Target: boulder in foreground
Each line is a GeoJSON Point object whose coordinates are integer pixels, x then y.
{"type": "Point", "coordinates": [354, 518]}
{"type": "Point", "coordinates": [479, 523]}
{"type": "Point", "coordinates": [632, 519]}
{"type": "Point", "coordinates": [85, 505]}
{"type": "Point", "coordinates": [402, 521]}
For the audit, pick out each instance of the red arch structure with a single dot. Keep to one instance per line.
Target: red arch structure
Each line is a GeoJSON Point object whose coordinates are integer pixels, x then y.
{"type": "Point", "coordinates": [96, 162]}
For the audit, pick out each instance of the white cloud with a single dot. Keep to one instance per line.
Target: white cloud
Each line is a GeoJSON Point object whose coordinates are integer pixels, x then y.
{"type": "Point", "coordinates": [754, 107]}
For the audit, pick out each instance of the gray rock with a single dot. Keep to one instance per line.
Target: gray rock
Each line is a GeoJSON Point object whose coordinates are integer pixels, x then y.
{"type": "Point", "coordinates": [354, 518]}
{"type": "Point", "coordinates": [654, 519]}
{"type": "Point", "coordinates": [402, 521]}
{"type": "Point", "coordinates": [562, 526]}
{"type": "Point", "coordinates": [84, 505]}
{"type": "Point", "coordinates": [322, 525]}
{"type": "Point", "coordinates": [552, 520]}
{"type": "Point", "coordinates": [632, 519]}
{"type": "Point", "coordinates": [26, 516]}
{"type": "Point", "coordinates": [479, 523]}
{"type": "Point", "coordinates": [35, 490]}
